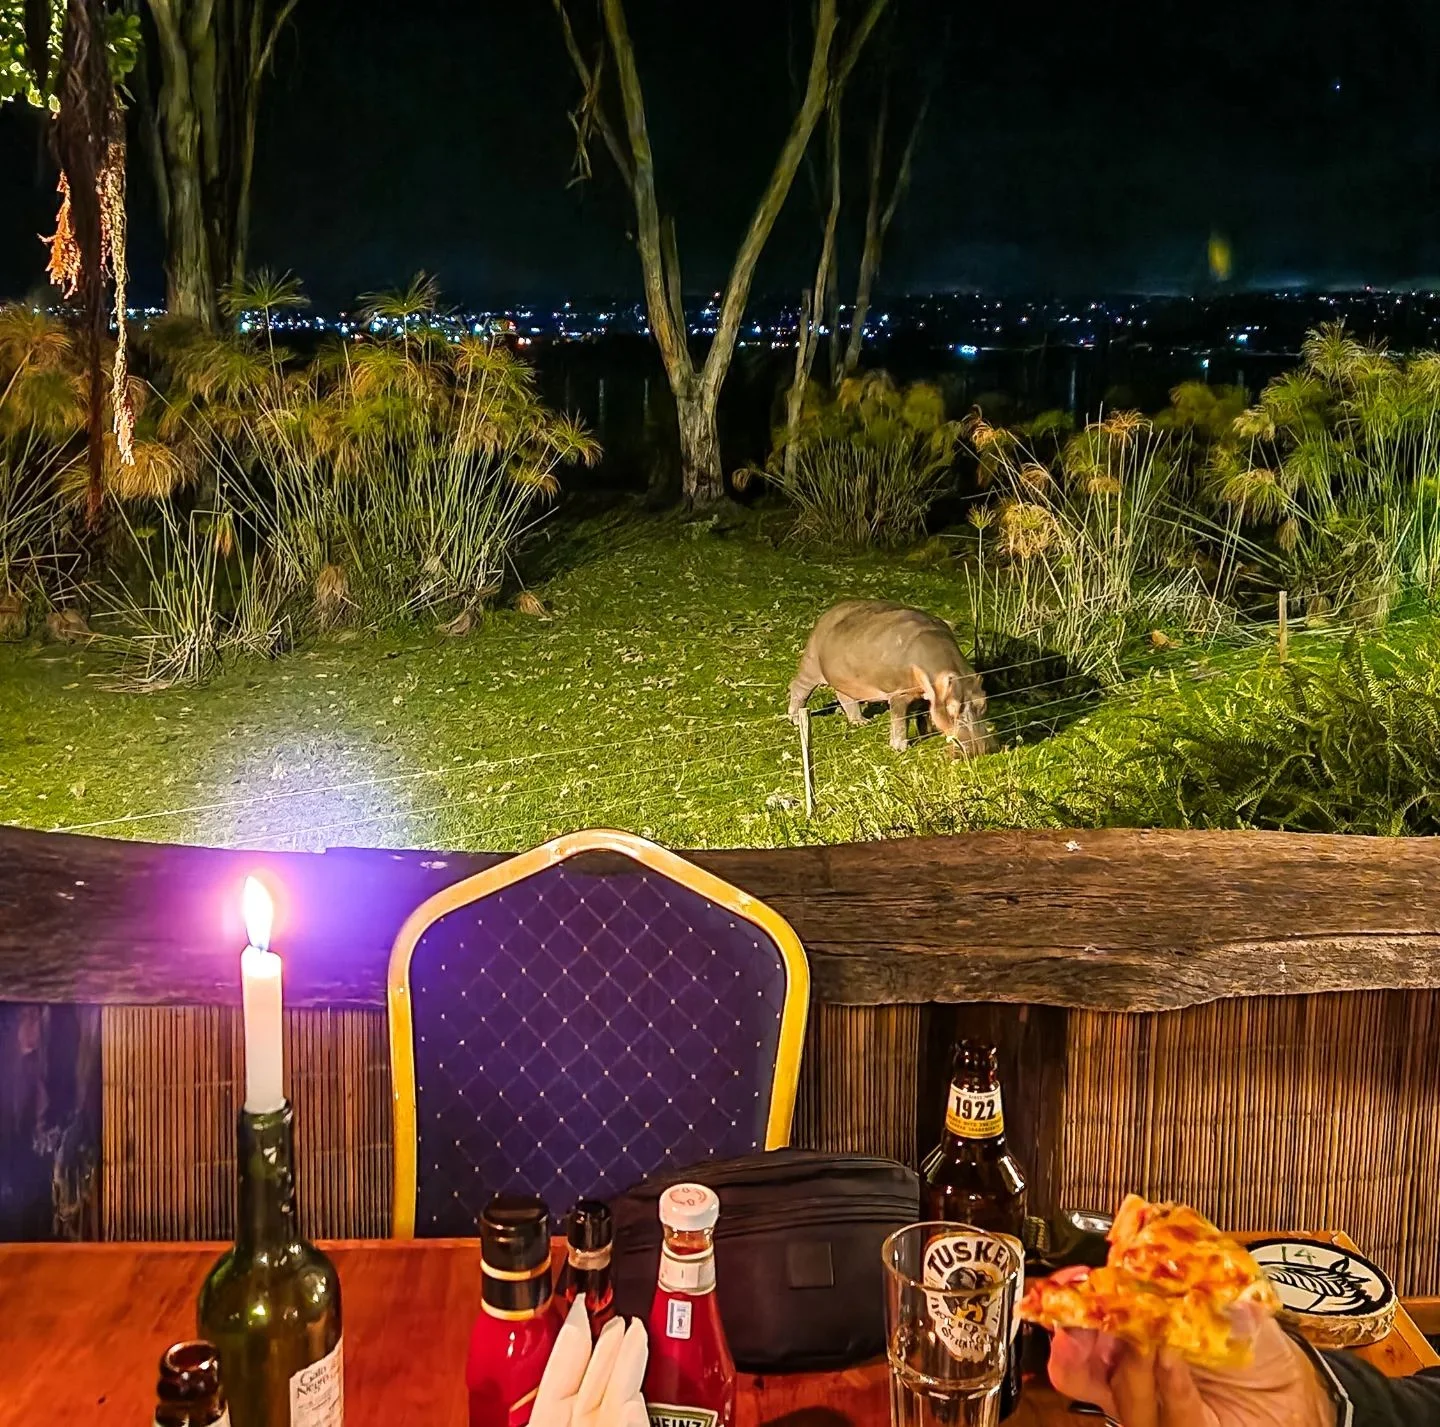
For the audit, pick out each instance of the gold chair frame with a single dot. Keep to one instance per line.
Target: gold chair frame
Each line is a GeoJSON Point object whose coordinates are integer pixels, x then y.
{"type": "Point", "coordinates": [794, 1012]}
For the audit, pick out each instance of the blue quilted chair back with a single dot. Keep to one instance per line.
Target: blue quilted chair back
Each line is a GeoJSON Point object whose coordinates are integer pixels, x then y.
{"type": "Point", "coordinates": [567, 1027]}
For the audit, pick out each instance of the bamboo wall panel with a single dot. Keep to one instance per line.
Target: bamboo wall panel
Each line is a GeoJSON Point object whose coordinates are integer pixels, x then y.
{"type": "Point", "coordinates": [1268, 1113]}
{"type": "Point", "coordinates": [858, 1080]}
{"type": "Point", "coordinates": [1283, 1112]}
{"type": "Point", "coordinates": [173, 1080]}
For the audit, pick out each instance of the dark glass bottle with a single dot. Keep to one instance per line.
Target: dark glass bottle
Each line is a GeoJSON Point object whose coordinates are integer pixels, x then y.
{"type": "Point", "coordinates": [271, 1304]}
{"type": "Point", "coordinates": [188, 1393]}
{"type": "Point", "coordinates": [1069, 1237]}
{"type": "Point", "coordinates": [589, 1234]}
{"type": "Point", "coordinates": [971, 1177]}
{"type": "Point", "coordinates": [519, 1317]}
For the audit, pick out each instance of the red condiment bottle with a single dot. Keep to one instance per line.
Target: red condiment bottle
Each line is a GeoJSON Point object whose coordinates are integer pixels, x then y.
{"type": "Point", "coordinates": [518, 1324]}
{"type": "Point", "coordinates": [589, 1236]}
{"type": "Point", "coordinates": [690, 1379]}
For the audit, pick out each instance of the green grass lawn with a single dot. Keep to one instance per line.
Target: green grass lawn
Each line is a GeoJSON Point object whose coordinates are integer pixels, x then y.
{"type": "Point", "coordinates": [653, 700]}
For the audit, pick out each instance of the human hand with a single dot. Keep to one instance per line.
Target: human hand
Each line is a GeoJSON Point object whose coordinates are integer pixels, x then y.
{"type": "Point", "coordinates": [593, 1386]}
{"type": "Point", "coordinates": [1279, 1387]}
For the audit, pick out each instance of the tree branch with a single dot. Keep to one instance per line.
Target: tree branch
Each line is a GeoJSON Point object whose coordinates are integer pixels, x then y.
{"type": "Point", "coordinates": [902, 173]}
{"type": "Point", "coordinates": [878, 221]}
{"type": "Point", "coordinates": [742, 273]}
{"type": "Point", "coordinates": [267, 52]}
{"type": "Point", "coordinates": [851, 54]}
{"type": "Point", "coordinates": [670, 257]}
{"type": "Point", "coordinates": [815, 300]}
{"type": "Point", "coordinates": [587, 80]}
{"type": "Point", "coordinates": [669, 334]}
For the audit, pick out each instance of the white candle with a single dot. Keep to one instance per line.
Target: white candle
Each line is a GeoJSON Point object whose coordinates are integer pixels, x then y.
{"type": "Point", "coordinates": [260, 989]}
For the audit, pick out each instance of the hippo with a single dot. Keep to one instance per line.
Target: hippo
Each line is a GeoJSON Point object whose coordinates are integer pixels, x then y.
{"type": "Point", "coordinates": [868, 650]}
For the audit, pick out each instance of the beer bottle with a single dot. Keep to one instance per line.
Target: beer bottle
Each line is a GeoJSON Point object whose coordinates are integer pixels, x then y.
{"type": "Point", "coordinates": [971, 1177]}
{"type": "Point", "coordinates": [590, 1234]}
{"type": "Point", "coordinates": [188, 1393]}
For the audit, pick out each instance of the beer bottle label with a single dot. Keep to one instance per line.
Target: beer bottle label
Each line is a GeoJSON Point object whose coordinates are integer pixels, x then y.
{"type": "Point", "coordinates": [972, 1303]}
{"type": "Point", "coordinates": [975, 1114]}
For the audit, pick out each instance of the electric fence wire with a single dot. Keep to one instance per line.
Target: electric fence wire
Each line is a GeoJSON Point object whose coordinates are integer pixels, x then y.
{"type": "Point", "coordinates": [744, 780]}
{"type": "Point", "coordinates": [1012, 720]}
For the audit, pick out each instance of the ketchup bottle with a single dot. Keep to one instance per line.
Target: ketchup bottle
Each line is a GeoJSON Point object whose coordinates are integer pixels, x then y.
{"type": "Point", "coordinates": [690, 1379]}
{"type": "Point", "coordinates": [518, 1324]}
{"type": "Point", "coordinates": [589, 1234]}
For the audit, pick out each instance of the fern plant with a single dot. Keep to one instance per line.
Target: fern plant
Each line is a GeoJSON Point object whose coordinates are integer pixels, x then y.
{"type": "Point", "coordinates": [864, 466]}
{"type": "Point", "coordinates": [1320, 744]}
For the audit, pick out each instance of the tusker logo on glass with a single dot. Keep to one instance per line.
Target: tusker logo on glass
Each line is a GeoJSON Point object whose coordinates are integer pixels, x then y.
{"type": "Point", "coordinates": [962, 1263]}
{"type": "Point", "coordinates": [662, 1414]}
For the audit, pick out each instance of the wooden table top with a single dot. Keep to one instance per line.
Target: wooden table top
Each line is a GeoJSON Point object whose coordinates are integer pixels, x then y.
{"type": "Point", "coordinates": [82, 1327]}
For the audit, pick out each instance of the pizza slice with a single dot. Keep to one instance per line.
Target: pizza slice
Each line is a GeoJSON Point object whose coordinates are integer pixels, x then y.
{"type": "Point", "coordinates": [1171, 1279]}
{"type": "Point", "coordinates": [1172, 1246]}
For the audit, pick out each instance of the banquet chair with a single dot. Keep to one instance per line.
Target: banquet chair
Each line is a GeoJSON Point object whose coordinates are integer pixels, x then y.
{"type": "Point", "coordinates": [564, 1024]}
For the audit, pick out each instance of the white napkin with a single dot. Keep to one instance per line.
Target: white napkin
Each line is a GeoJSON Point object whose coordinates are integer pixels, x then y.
{"type": "Point", "coordinates": [599, 1386]}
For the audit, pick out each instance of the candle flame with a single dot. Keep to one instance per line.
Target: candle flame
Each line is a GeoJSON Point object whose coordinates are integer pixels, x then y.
{"type": "Point", "coordinates": [259, 913]}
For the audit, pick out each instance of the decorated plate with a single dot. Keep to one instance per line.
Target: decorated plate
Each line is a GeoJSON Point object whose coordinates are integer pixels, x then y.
{"type": "Point", "coordinates": [1334, 1296]}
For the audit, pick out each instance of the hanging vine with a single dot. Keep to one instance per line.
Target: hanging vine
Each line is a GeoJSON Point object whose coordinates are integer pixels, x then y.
{"type": "Point", "coordinates": [88, 136]}
{"type": "Point", "coordinates": [68, 57]}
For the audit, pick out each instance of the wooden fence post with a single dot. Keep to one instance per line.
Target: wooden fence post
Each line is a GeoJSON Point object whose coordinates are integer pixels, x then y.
{"type": "Point", "coordinates": [806, 764]}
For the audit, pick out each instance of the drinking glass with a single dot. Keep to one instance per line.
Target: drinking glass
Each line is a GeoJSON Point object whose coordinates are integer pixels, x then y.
{"type": "Point", "coordinates": [950, 1292]}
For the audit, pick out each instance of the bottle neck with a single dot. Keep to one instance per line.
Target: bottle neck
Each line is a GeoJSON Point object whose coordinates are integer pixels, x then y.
{"type": "Point", "coordinates": [687, 1262]}
{"type": "Point", "coordinates": [515, 1295]}
{"type": "Point", "coordinates": [589, 1269]}
{"type": "Point", "coordinates": [974, 1117]}
{"type": "Point", "coordinates": [266, 1217]}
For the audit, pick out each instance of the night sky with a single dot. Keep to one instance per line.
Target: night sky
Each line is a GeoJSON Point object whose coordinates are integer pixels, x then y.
{"type": "Point", "coordinates": [1075, 148]}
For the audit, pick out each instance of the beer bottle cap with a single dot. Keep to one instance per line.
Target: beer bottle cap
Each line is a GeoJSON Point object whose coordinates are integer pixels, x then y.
{"type": "Point", "coordinates": [189, 1370]}
{"type": "Point", "coordinates": [689, 1207]}
{"type": "Point", "coordinates": [591, 1226]}
{"type": "Point", "coordinates": [515, 1233]}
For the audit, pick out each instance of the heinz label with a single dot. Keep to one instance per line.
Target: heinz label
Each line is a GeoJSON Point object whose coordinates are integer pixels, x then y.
{"type": "Point", "coordinates": [663, 1414]}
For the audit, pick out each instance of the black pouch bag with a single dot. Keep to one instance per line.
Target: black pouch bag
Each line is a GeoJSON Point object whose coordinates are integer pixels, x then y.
{"type": "Point", "coordinates": [797, 1252]}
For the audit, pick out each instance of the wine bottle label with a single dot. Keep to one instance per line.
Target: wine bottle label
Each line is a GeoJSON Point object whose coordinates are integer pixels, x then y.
{"type": "Point", "coordinates": [975, 1114]}
{"type": "Point", "coordinates": [665, 1414]}
{"type": "Point", "coordinates": [693, 1274]}
{"type": "Point", "coordinates": [317, 1392]}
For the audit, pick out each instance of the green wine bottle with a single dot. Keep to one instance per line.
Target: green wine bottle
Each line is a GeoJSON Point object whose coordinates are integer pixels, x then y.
{"type": "Point", "coordinates": [271, 1304]}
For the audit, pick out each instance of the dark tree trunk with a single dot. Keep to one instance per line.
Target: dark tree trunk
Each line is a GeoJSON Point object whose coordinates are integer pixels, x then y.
{"type": "Point", "coordinates": [697, 394]}
{"type": "Point", "coordinates": [702, 478]}
{"type": "Point", "coordinates": [213, 59]}
{"type": "Point", "coordinates": [181, 107]}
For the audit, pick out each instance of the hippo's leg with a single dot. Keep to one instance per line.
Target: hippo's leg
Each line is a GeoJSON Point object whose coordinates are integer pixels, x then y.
{"type": "Point", "coordinates": [899, 722]}
{"type": "Point", "coordinates": [851, 710]}
{"type": "Point", "coordinates": [801, 687]}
